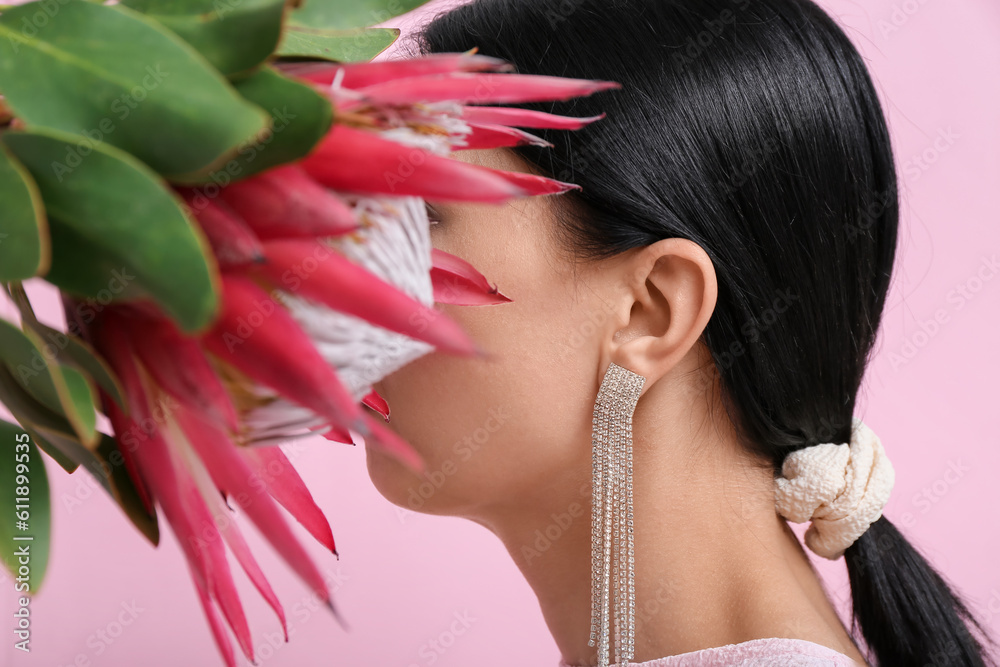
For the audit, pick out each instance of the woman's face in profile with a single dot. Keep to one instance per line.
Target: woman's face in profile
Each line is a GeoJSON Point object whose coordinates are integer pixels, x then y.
{"type": "Point", "coordinates": [506, 430]}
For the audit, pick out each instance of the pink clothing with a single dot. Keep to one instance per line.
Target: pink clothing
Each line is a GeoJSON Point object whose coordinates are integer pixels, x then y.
{"type": "Point", "coordinates": [772, 652]}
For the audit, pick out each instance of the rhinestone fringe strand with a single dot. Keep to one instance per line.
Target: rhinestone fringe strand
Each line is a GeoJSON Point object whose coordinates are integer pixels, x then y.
{"type": "Point", "coordinates": [611, 517]}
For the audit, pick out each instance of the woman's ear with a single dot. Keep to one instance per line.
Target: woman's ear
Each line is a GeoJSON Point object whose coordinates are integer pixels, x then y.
{"type": "Point", "coordinates": [669, 297]}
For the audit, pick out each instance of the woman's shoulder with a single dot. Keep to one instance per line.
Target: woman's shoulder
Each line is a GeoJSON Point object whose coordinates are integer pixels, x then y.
{"type": "Point", "coordinates": [769, 652]}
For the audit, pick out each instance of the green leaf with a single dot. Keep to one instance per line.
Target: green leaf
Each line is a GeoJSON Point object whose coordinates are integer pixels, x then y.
{"type": "Point", "coordinates": [119, 484]}
{"type": "Point", "coordinates": [24, 234]}
{"type": "Point", "coordinates": [301, 116]}
{"type": "Point", "coordinates": [82, 395]}
{"type": "Point", "coordinates": [52, 434]}
{"type": "Point", "coordinates": [61, 389]}
{"type": "Point", "coordinates": [354, 14]}
{"type": "Point", "coordinates": [109, 73]}
{"type": "Point", "coordinates": [233, 36]}
{"type": "Point", "coordinates": [56, 454]}
{"type": "Point", "coordinates": [346, 46]}
{"type": "Point", "coordinates": [118, 232]}
{"type": "Point", "coordinates": [70, 350]}
{"type": "Point", "coordinates": [26, 521]}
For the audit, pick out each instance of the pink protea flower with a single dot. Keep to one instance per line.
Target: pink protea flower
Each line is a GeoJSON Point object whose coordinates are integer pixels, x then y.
{"type": "Point", "coordinates": [328, 283]}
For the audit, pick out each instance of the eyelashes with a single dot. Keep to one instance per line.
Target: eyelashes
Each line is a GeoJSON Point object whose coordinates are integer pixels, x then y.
{"type": "Point", "coordinates": [433, 215]}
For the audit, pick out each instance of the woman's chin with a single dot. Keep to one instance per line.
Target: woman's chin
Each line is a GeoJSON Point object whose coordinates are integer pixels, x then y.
{"type": "Point", "coordinates": [390, 476]}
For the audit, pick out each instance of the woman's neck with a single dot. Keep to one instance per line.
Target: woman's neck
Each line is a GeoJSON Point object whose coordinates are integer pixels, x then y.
{"type": "Point", "coordinates": [714, 563]}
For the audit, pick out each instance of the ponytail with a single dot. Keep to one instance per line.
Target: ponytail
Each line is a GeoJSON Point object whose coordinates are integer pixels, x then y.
{"type": "Point", "coordinates": [907, 613]}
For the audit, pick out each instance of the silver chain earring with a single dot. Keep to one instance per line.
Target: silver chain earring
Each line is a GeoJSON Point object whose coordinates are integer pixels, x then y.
{"type": "Point", "coordinates": [611, 518]}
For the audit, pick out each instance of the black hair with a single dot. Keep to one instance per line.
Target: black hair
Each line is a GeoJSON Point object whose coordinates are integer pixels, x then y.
{"type": "Point", "coordinates": [752, 128]}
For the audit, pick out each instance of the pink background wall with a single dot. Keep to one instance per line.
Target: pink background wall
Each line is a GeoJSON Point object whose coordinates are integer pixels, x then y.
{"type": "Point", "coordinates": [420, 590]}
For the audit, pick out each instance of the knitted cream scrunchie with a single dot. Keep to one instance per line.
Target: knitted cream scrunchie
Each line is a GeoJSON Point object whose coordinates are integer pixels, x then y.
{"type": "Point", "coordinates": [840, 488]}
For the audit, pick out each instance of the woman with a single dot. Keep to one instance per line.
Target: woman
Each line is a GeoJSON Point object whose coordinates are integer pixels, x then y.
{"type": "Point", "coordinates": [721, 274]}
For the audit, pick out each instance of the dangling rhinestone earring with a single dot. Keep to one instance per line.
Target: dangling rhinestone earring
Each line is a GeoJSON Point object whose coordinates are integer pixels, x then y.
{"type": "Point", "coordinates": [611, 518]}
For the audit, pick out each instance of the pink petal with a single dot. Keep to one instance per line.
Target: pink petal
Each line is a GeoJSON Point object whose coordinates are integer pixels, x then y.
{"type": "Point", "coordinates": [285, 202]}
{"type": "Point", "coordinates": [177, 495]}
{"type": "Point", "coordinates": [458, 282]}
{"type": "Point", "coordinates": [485, 135]}
{"type": "Point", "coordinates": [111, 341]}
{"type": "Point", "coordinates": [483, 88]}
{"type": "Point", "coordinates": [209, 492]}
{"type": "Point", "coordinates": [536, 185]}
{"type": "Point", "coordinates": [282, 481]}
{"type": "Point", "coordinates": [234, 539]}
{"type": "Point", "coordinates": [185, 511]}
{"type": "Point", "coordinates": [337, 434]}
{"type": "Point", "coordinates": [357, 75]}
{"type": "Point", "coordinates": [179, 366]}
{"type": "Point", "coordinates": [153, 458]}
{"type": "Point", "coordinates": [524, 118]}
{"type": "Point", "coordinates": [128, 430]}
{"type": "Point", "coordinates": [233, 472]}
{"type": "Point", "coordinates": [392, 168]}
{"type": "Point", "coordinates": [260, 338]}
{"type": "Point", "coordinates": [232, 241]}
{"type": "Point", "coordinates": [214, 622]}
{"type": "Point", "coordinates": [315, 271]}
{"type": "Point", "coordinates": [375, 401]}
{"type": "Point", "coordinates": [220, 578]}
